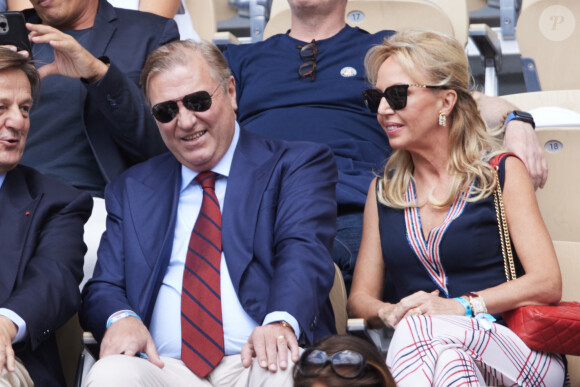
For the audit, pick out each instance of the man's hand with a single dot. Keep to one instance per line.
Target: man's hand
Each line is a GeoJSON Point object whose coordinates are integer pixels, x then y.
{"type": "Point", "coordinates": [521, 139]}
{"type": "Point", "coordinates": [70, 58]}
{"type": "Point", "coordinates": [8, 332]}
{"type": "Point", "coordinates": [270, 344]}
{"type": "Point", "coordinates": [129, 336]}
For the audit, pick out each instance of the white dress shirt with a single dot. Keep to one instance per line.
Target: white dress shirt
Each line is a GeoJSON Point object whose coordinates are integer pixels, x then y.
{"type": "Point", "coordinates": [166, 319]}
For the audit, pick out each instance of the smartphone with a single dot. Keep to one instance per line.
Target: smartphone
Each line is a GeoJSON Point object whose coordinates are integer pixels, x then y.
{"type": "Point", "coordinates": [13, 31]}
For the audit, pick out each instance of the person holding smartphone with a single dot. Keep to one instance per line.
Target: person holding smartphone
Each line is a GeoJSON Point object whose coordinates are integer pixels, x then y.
{"type": "Point", "coordinates": [91, 121]}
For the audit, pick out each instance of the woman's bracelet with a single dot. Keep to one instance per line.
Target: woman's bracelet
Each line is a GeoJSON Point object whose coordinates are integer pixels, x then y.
{"type": "Point", "coordinates": [476, 302]}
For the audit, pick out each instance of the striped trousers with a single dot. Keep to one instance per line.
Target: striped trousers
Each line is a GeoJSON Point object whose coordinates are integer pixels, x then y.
{"type": "Point", "coordinates": [463, 351]}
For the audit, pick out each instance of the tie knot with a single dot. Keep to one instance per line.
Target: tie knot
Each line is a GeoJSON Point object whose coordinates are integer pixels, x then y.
{"type": "Point", "coordinates": [206, 179]}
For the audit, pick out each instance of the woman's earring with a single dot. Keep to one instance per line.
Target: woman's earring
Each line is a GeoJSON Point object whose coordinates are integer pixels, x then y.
{"type": "Point", "coordinates": [442, 119]}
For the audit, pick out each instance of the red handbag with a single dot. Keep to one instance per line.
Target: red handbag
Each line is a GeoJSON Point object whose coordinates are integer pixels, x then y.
{"type": "Point", "coordinates": [549, 328]}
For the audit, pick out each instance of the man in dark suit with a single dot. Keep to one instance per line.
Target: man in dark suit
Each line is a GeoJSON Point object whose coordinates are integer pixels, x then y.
{"type": "Point", "coordinates": [276, 212]}
{"type": "Point", "coordinates": [91, 122]}
{"type": "Point", "coordinates": [42, 249]}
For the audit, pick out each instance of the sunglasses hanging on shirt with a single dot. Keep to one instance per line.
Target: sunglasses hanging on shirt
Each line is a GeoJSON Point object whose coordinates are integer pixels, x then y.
{"type": "Point", "coordinates": [308, 52]}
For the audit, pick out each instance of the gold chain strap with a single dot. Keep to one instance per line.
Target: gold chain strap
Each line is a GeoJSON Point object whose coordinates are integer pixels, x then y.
{"type": "Point", "coordinates": [504, 234]}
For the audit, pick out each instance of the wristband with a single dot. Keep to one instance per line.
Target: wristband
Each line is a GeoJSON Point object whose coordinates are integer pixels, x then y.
{"type": "Point", "coordinates": [485, 316]}
{"type": "Point", "coordinates": [466, 305]}
{"type": "Point", "coordinates": [120, 316]}
{"type": "Point", "coordinates": [485, 320]}
{"type": "Point", "coordinates": [520, 116]}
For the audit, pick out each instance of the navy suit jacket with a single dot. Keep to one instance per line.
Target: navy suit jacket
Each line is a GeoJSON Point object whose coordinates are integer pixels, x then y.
{"type": "Point", "coordinates": [42, 250]}
{"type": "Point", "coordinates": [278, 222]}
{"type": "Point", "coordinates": [116, 118]}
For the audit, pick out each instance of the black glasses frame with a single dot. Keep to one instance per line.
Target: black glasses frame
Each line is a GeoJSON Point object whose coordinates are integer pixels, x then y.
{"type": "Point", "coordinates": [308, 52]}
{"type": "Point", "coordinates": [314, 360]}
{"type": "Point", "coordinates": [199, 101]}
{"type": "Point", "coordinates": [395, 95]}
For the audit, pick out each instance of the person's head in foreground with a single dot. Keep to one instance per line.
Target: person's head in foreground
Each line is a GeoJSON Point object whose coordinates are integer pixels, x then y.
{"type": "Point", "coordinates": [342, 360]}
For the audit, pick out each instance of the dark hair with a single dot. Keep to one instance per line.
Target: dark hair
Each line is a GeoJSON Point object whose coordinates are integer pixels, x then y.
{"type": "Point", "coordinates": [376, 373]}
{"type": "Point", "coordinates": [12, 60]}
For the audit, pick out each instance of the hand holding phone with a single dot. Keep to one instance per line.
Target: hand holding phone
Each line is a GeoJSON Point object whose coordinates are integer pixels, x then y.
{"type": "Point", "coordinates": [13, 31]}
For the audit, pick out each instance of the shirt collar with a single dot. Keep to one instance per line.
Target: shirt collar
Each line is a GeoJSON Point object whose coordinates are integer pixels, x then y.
{"type": "Point", "coordinates": [222, 167]}
{"type": "Point", "coordinates": [2, 177]}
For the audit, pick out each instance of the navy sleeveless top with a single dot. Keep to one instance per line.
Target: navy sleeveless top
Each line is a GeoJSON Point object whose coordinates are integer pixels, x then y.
{"type": "Point", "coordinates": [463, 254]}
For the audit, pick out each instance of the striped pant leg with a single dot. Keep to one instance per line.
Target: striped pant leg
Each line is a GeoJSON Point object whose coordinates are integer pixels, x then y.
{"type": "Point", "coordinates": [456, 350]}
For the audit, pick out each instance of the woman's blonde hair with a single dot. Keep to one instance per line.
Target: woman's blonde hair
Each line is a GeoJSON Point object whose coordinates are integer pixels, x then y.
{"type": "Point", "coordinates": [441, 60]}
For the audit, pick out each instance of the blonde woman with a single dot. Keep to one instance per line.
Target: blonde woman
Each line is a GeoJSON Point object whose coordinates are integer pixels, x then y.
{"type": "Point", "coordinates": [430, 223]}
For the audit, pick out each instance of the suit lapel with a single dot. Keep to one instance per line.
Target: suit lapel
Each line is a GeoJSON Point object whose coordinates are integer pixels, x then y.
{"type": "Point", "coordinates": [103, 24]}
{"type": "Point", "coordinates": [251, 170]}
{"type": "Point", "coordinates": [153, 208]}
{"type": "Point", "coordinates": [17, 211]}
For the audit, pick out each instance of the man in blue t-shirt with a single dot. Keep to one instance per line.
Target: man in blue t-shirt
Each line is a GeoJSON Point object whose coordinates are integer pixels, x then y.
{"type": "Point", "coordinates": [307, 85]}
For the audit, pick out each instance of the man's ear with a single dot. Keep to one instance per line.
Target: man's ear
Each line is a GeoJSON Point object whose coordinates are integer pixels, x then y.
{"type": "Point", "coordinates": [231, 89]}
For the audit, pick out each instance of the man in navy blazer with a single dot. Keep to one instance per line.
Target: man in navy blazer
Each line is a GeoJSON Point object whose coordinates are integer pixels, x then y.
{"type": "Point", "coordinates": [278, 211]}
{"type": "Point", "coordinates": [42, 249]}
{"type": "Point", "coordinates": [92, 122]}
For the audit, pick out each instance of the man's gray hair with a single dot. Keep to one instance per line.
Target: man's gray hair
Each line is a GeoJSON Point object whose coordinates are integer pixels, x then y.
{"type": "Point", "coordinates": [178, 53]}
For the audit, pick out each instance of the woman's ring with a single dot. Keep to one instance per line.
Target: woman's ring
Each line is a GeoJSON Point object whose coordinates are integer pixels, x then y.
{"type": "Point", "coordinates": [281, 337]}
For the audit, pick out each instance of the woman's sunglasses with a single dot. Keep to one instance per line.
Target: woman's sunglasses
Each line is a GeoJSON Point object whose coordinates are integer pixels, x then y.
{"type": "Point", "coordinates": [347, 364]}
{"type": "Point", "coordinates": [395, 95]}
{"type": "Point", "coordinates": [200, 101]}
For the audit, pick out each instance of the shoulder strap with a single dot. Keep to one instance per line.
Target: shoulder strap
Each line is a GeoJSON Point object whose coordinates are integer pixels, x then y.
{"type": "Point", "coordinates": [506, 247]}
{"type": "Point", "coordinates": [496, 160]}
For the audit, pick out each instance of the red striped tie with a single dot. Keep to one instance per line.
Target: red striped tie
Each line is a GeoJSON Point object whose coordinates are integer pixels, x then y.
{"type": "Point", "coordinates": [202, 334]}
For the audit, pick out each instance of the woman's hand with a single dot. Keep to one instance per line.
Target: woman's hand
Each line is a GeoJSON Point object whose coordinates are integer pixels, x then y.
{"type": "Point", "coordinates": [419, 303]}
{"type": "Point", "coordinates": [390, 314]}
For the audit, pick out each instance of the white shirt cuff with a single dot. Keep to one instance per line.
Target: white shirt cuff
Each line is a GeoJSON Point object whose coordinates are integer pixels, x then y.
{"type": "Point", "coordinates": [18, 321]}
{"type": "Point", "coordinates": [278, 316]}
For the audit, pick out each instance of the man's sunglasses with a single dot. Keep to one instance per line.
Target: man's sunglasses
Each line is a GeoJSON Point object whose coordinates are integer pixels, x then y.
{"type": "Point", "coordinates": [395, 95]}
{"type": "Point", "coordinates": [200, 101]}
{"type": "Point", "coordinates": [347, 364]}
